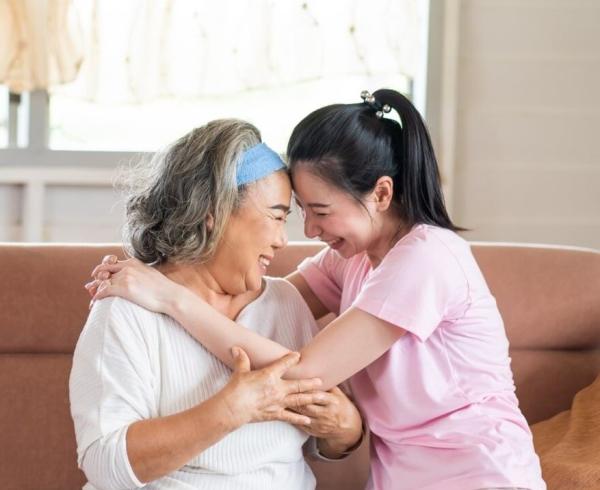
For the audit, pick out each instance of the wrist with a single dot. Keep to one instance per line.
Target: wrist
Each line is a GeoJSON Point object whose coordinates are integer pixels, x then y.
{"type": "Point", "coordinates": [216, 413]}
{"type": "Point", "coordinates": [340, 445]}
{"type": "Point", "coordinates": [174, 304]}
{"type": "Point", "coordinates": [336, 447]}
{"type": "Point", "coordinates": [233, 411]}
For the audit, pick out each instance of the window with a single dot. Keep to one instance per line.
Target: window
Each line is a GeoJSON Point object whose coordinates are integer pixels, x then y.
{"type": "Point", "coordinates": [151, 72]}
{"type": "Point", "coordinates": [3, 116]}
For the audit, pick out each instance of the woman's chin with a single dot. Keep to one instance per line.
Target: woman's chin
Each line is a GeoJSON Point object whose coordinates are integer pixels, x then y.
{"type": "Point", "coordinates": [255, 281]}
{"type": "Point", "coordinates": [345, 251]}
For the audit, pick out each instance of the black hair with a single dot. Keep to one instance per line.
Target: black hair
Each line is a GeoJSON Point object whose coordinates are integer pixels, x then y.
{"type": "Point", "coordinates": [348, 146]}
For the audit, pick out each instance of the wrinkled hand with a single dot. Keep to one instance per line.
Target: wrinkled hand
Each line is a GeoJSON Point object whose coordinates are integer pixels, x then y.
{"type": "Point", "coordinates": [334, 417]}
{"type": "Point", "coordinates": [261, 395]}
{"type": "Point", "coordinates": [133, 280]}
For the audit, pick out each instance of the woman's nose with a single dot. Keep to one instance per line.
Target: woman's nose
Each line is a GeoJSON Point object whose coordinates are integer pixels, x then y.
{"type": "Point", "coordinates": [310, 229]}
{"type": "Point", "coordinates": [281, 239]}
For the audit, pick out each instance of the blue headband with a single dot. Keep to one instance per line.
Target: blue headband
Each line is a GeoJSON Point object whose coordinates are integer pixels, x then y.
{"type": "Point", "coordinates": [257, 162]}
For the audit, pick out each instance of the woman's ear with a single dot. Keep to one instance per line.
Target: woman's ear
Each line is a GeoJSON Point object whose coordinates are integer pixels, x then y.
{"type": "Point", "coordinates": [210, 222]}
{"type": "Point", "coordinates": [383, 193]}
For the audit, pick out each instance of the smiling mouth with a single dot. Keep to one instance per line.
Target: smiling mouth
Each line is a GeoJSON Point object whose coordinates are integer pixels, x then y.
{"type": "Point", "coordinates": [334, 243]}
{"type": "Point", "coordinates": [264, 261]}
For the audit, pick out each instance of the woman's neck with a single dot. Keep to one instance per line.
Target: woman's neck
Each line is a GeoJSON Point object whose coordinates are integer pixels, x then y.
{"type": "Point", "coordinates": [200, 280]}
{"type": "Point", "coordinates": [390, 230]}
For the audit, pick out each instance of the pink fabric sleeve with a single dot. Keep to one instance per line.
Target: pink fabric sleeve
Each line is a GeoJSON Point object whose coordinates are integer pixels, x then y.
{"type": "Point", "coordinates": [324, 274]}
{"type": "Point", "coordinates": [419, 284]}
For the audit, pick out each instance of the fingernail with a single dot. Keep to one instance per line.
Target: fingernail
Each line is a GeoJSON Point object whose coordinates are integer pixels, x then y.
{"type": "Point", "coordinates": [88, 285]}
{"type": "Point", "coordinates": [234, 352]}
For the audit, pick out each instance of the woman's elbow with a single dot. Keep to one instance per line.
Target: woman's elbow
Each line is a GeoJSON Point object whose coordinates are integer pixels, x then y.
{"type": "Point", "coordinates": [106, 467]}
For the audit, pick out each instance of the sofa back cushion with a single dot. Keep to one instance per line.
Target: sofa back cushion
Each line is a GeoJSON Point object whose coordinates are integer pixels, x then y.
{"type": "Point", "coordinates": [42, 300]}
{"type": "Point", "coordinates": [549, 298]}
{"type": "Point", "coordinates": [43, 307]}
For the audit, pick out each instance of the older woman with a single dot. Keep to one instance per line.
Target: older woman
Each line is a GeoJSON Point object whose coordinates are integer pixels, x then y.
{"type": "Point", "coordinates": [150, 405]}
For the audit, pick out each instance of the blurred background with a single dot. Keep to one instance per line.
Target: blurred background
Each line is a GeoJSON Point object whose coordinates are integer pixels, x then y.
{"type": "Point", "coordinates": [508, 88]}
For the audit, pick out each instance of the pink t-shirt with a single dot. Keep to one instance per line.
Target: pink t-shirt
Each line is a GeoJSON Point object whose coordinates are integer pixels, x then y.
{"type": "Point", "coordinates": [440, 404]}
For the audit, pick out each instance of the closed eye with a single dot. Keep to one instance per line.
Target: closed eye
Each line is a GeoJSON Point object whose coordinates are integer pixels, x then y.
{"type": "Point", "coordinates": [282, 218]}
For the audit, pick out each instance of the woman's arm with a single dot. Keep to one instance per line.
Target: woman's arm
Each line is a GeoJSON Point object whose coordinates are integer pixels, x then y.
{"type": "Point", "coordinates": [159, 446]}
{"type": "Point", "coordinates": [348, 344]}
{"type": "Point", "coordinates": [156, 447]}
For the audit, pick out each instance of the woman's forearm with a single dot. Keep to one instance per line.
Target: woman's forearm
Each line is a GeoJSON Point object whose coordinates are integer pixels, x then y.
{"type": "Point", "coordinates": [348, 344]}
{"type": "Point", "coordinates": [159, 446]}
{"type": "Point", "coordinates": [219, 334]}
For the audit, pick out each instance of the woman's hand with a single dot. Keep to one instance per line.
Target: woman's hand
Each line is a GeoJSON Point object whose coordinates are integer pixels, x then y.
{"type": "Point", "coordinates": [333, 418]}
{"type": "Point", "coordinates": [133, 280]}
{"type": "Point", "coordinates": [261, 395]}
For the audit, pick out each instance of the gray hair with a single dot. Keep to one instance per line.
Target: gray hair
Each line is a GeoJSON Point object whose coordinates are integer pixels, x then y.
{"type": "Point", "coordinates": [178, 206]}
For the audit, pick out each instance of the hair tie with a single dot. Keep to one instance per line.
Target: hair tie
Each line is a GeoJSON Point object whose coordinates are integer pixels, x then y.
{"type": "Point", "coordinates": [369, 99]}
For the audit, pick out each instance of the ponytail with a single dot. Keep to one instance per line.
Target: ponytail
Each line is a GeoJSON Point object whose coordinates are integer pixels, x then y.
{"type": "Point", "coordinates": [418, 182]}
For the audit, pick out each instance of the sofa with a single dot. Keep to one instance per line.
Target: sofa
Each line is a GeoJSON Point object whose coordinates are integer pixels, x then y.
{"type": "Point", "coordinates": [549, 298]}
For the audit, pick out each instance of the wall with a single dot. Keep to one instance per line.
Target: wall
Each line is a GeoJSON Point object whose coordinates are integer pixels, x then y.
{"type": "Point", "coordinates": [527, 159]}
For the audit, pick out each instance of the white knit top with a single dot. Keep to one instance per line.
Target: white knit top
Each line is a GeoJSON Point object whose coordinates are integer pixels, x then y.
{"type": "Point", "coordinates": [131, 364]}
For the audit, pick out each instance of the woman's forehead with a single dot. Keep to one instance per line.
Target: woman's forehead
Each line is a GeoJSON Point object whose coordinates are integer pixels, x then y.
{"type": "Point", "coordinates": [307, 184]}
{"type": "Point", "coordinates": [274, 189]}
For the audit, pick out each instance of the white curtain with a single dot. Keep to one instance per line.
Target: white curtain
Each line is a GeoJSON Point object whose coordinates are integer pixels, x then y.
{"type": "Point", "coordinates": [138, 50]}
{"type": "Point", "coordinates": [40, 43]}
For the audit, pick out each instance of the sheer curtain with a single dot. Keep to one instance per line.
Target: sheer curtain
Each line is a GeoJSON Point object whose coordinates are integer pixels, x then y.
{"type": "Point", "coordinates": [40, 43]}
{"type": "Point", "coordinates": [142, 72]}
{"type": "Point", "coordinates": [137, 50]}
